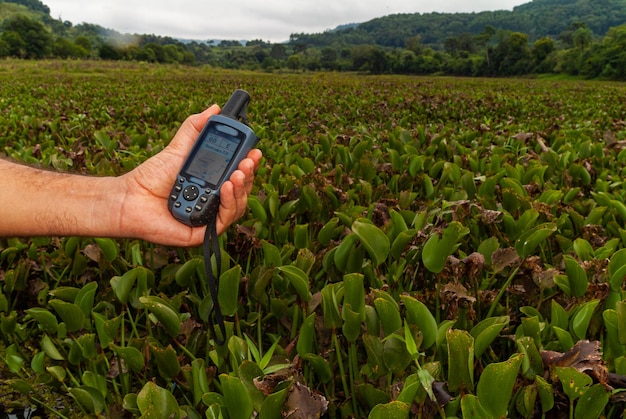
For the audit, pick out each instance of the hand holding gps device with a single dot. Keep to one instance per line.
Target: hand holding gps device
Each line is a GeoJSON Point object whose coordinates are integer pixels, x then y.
{"type": "Point", "coordinates": [194, 200]}
{"type": "Point", "coordinates": [222, 144]}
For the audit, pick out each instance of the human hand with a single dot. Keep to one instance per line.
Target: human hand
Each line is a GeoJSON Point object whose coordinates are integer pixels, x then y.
{"type": "Point", "coordinates": [147, 188]}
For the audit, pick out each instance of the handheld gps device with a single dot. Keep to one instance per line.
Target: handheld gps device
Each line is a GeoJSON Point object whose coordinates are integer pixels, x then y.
{"type": "Point", "coordinates": [194, 200]}
{"type": "Point", "coordinates": [224, 141]}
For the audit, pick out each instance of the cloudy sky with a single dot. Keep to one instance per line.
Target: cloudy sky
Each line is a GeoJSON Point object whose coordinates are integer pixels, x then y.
{"type": "Point", "coordinates": [269, 20]}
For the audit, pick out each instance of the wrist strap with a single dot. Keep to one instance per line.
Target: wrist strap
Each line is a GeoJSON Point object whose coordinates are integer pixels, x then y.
{"type": "Point", "coordinates": [212, 246]}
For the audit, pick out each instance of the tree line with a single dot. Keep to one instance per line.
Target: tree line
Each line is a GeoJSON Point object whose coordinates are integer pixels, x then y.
{"type": "Point", "coordinates": [492, 52]}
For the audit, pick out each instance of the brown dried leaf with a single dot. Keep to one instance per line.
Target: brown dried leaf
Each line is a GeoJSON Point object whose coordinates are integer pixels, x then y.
{"type": "Point", "coordinates": [503, 258]}
{"type": "Point", "coordinates": [490, 216]}
{"type": "Point", "coordinates": [93, 252]}
{"type": "Point", "coordinates": [474, 265]}
{"type": "Point", "coordinates": [455, 296]}
{"type": "Point", "coordinates": [302, 403]}
{"type": "Point", "coordinates": [523, 136]}
{"type": "Point", "coordinates": [585, 356]}
{"type": "Point", "coordinates": [268, 382]}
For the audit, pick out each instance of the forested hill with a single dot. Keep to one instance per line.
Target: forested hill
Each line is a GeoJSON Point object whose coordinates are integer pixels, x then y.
{"type": "Point", "coordinates": [537, 19]}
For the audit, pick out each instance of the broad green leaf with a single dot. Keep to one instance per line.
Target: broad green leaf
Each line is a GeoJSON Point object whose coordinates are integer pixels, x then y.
{"type": "Point", "coordinates": [389, 315]}
{"type": "Point", "coordinates": [186, 273]}
{"type": "Point", "coordinates": [122, 285]}
{"type": "Point", "coordinates": [155, 402]}
{"type": "Point", "coordinates": [89, 398]}
{"type": "Point", "coordinates": [306, 337]}
{"type": "Point", "coordinates": [460, 360]}
{"type": "Point", "coordinates": [401, 242]}
{"type": "Point", "coordinates": [582, 318]}
{"type": "Point", "coordinates": [546, 394]}
{"type": "Point", "coordinates": [298, 279]}
{"type": "Point", "coordinates": [109, 248]}
{"type": "Point", "coordinates": [418, 314]}
{"type": "Point", "coordinates": [320, 366]}
{"type": "Point", "coordinates": [591, 404]}
{"type": "Point", "coordinates": [437, 249]}
{"type": "Point", "coordinates": [85, 297]}
{"type": "Point", "coordinates": [495, 386]}
{"type": "Point", "coordinates": [45, 318]}
{"type": "Point", "coordinates": [228, 290]}
{"type": "Point", "coordinates": [484, 339]}
{"type": "Point", "coordinates": [583, 249]}
{"type": "Point", "coordinates": [395, 355]}
{"type": "Point", "coordinates": [71, 314]}
{"type": "Point", "coordinates": [248, 373]}
{"type": "Point", "coordinates": [373, 240]}
{"type": "Point", "coordinates": [573, 382]}
{"type": "Point", "coordinates": [131, 356]}
{"type": "Point", "coordinates": [472, 408]}
{"type": "Point", "coordinates": [272, 407]}
{"type": "Point", "coordinates": [271, 254]}
{"type": "Point", "coordinates": [48, 346]}
{"type": "Point", "coordinates": [371, 396]}
{"type": "Point", "coordinates": [528, 242]}
{"type": "Point", "coordinates": [166, 360]}
{"type": "Point", "coordinates": [329, 231]}
{"type": "Point", "coordinates": [391, 410]}
{"type": "Point", "coordinates": [576, 276]}
{"type": "Point", "coordinates": [165, 314]}
{"type": "Point", "coordinates": [236, 398]}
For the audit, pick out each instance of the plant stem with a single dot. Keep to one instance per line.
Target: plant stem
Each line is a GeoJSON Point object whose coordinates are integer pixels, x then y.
{"type": "Point", "coordinates": [342, 370]}
{"type": "Point", "coordinates": [352, 363]}
{"type": "Point", "coordinates": [502, 291]}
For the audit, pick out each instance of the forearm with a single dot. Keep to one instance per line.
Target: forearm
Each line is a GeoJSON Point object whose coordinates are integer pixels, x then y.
{"type": "Point", "coordinates": [36, 202]}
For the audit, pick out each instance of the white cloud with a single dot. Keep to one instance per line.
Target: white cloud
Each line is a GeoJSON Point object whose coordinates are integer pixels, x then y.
{"type": "Point", "coordinates": [270, 20]}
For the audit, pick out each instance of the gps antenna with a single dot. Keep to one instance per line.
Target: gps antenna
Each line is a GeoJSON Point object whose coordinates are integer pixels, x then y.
{"type": "Point", "coordinates": [236, 106]}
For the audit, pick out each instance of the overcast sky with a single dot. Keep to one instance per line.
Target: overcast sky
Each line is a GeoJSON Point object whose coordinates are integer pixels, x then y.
{"type": "Point", "coordinates": [269, 20]}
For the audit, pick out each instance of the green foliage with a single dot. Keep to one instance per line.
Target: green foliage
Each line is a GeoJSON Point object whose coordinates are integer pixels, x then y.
{"type": "Point", "coordinates": [566, 40]}
{"type": "Point", "coordinates": [394, 261]}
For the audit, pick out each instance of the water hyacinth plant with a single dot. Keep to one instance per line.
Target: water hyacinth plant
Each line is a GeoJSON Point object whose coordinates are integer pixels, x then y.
{"type": "Point", "coordinates": [414, 247]}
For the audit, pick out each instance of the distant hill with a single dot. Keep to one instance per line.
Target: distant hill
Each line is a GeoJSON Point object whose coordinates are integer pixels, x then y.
{"type": "Point", "coordinates": [537, 19]}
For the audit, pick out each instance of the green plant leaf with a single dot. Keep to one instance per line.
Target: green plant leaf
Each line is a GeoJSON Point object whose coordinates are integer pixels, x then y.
{"type": "Point", "coordinates": [375, 242]}
{"type": "Point", "coordinates": [90, 398]}
{"type": "Point", "coordinates": [582, 318]}
{"type": "Point", "coordinates": [528, 242]}
{"type": "Point", "coordinates": [495, 385]}
{"type": "Point", "coordinates": [391, 410]}
{"type": "Point", "coordinates": [437, 249]}
{"type": "Point", "coordinates": [236, 398]}
{"type": "Point", "coordinates": [577, 277]}
{"type": "Point", "coordinates": [228, 290]}
{"type": "Point", "coordinates": [109, 248]}
{"type": "Point", "coordinates": [472, 408]}
{"type": "Point", "coordinates": [71, 314]}
{"type": "Point", "coordinates": [166, 360]}
{"type": "Point", "coordinates": [166, 315]}
{"type": "Point", "coordinates": [591, 404]}
{"type": "Point", "coordinates": [155, 402]}
{"type": "Point", "coordinates": [389, 315]}
{"type": "Point", "coordinates": [320, 366]}
{"type": "Point", "coordinates": [418, 314]}
{"type": "Point", "coordinates": [122, 285]}
{"type": "Point", "coordinates": [460, 360]}
{"type": "Point", "coordinates": [272, 407]}
{"type": "Point", "coordinates": [298, 279]}
{"type": "Point", "coordinates": [131, 356]}
{"type": "Point", "coordinates": [45, 318]}
{"type": "Point", "coordinates": [546, 394]}
{"type": "Point", "coordinates": [573, 382]}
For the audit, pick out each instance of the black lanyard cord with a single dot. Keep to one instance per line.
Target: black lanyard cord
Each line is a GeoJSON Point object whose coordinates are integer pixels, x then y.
{"type": "Point", "coordinates": [211, 245]}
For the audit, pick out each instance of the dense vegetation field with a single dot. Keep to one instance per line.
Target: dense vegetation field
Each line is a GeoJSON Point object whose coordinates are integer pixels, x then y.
{"type": "Point", "coordinates": [414, 247]}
